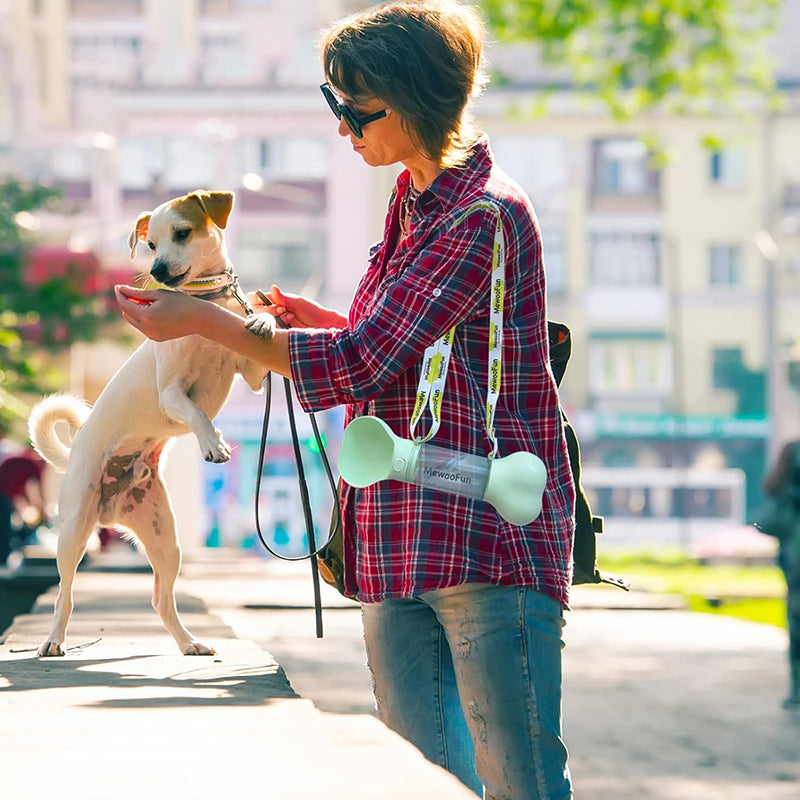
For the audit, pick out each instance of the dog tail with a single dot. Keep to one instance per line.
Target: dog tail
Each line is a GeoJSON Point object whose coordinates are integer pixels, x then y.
{"type": "Point", "coordinates": [46, 416]}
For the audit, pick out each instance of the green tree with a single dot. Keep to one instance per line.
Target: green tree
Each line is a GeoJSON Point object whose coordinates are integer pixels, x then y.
{"type": "Point", "coordinates": [638, 55]}
{"type": "Point", "coordinates": [36, 317]}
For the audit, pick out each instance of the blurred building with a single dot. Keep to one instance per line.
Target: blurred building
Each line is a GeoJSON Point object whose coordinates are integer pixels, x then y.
{"type": "Point", "coordinates": [124, 104]}
{"type": "Point", "coordinates": [680, 283]}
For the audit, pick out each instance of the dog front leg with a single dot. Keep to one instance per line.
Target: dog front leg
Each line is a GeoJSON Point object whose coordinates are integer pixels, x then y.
{"type": "Point", "coordinates": [252, 373]}
{"type": "Point", "coordinates": [176, 405]}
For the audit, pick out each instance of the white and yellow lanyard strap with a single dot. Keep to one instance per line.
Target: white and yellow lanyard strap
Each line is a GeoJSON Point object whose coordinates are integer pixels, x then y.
{"type": "Point", "coordinates": [437, 357]}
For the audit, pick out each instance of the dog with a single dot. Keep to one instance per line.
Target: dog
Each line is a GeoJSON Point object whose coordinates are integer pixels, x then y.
{"type": "Point", "coordinates": [165, 389]}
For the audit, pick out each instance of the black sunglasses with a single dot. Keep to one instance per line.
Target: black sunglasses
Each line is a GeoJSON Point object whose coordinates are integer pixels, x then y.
{"type": "Point", "coordinates": [341, 111]}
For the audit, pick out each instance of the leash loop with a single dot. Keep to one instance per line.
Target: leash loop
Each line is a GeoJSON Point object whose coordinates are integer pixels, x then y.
{"type": "Point", "coordinates": [313, 550]}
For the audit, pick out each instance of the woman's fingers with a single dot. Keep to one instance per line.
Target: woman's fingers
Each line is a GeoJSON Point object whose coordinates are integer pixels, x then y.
{"type": "Point", "coordinates": [277, 296]}
{"type": "Point", "coordinates": [158, 313]}
{"type": "Point", "coordinates": [287, 308]}
{"type": "Point", "coordinates": [141, 296]}
{"type": "Point", "coordinates": [256, 303]}
{"type": "Point", "coordinates": [265, 302]}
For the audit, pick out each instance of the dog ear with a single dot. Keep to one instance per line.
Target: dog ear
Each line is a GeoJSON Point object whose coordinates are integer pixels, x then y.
{"type": "Point", "coordinates": [216, 205]}
{"type": "Point", "coordinates": [139, 232]}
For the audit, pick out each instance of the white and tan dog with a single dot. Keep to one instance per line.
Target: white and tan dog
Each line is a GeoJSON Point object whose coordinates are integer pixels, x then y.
{"type": "Point", "coordinates": [163, 390]}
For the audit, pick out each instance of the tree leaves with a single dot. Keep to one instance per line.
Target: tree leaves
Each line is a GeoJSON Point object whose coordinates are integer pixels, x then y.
{"type": "Point", "coordinates": [637, 55]}
{"type": "Point", "coordinates": [37, 318]}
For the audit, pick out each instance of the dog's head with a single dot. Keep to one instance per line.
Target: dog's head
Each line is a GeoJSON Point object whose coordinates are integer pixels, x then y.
{"type": "Point", "coordinates": [185, 236]}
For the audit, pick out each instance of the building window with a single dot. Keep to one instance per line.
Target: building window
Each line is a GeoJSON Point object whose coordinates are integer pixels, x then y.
{"type": "Point", "coordinates": [265, 257]}
{"type": "Point", "coordinates": [629, 364]}
{"type": "Point", "coordinates": [624, 259]}
{"type": "Point", "coordinates": [730, 373]}
{"type": "Point", "coordinates": [265, 156]}
{"type": "Point", "coordinates": [287, 157]}
{"type": "Point", "coordinates": [539, 166]}
{"type": "Point", "coordinates": [102, 9]}
{"type": "Point", "coordinates": [554, 260]}
{"type": "Point", "coordinates": [620, 167]}
{"type": "Point", "coordinates": [727, 167]}
{"type": "Point", "coordinates": [725, 265]}
{"type": "Point", "coordinates": [727, 367]}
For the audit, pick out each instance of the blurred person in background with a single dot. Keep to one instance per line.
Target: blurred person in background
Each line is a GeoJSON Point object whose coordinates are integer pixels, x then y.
{"type": "Point", "coordinates": [22, 502]}
{"type": "Point", "coordinates": [785, 475]}
{"type": "Point", "coordinates": [462, 611]}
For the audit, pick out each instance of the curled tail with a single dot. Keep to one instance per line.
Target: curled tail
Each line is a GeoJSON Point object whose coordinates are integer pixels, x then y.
{"type": "Point", "coordinates": [42, 423]}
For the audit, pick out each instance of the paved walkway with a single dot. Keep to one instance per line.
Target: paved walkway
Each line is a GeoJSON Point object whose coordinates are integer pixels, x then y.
{"type": "Point", "coordinates": [659, 704]}
{"type": "Point", "coordinates": [129, 717]}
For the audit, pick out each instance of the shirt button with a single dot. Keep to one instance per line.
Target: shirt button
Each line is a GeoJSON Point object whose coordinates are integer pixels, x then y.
{"type": "Point", "coordinates": [437, 291]}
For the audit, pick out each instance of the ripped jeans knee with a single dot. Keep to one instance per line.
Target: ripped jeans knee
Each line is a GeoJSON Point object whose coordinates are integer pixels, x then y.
{"type": "Point", "coordinates": [471, 675]}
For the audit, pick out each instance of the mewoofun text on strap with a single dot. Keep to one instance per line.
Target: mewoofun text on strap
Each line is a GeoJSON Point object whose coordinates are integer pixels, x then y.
{"type": "Point", "coordinates": [371, 452]}
{"type": "Point", "coordinates": [436, 360]}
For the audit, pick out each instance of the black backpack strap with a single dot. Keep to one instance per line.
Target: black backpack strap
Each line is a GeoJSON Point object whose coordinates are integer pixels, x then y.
{"type": "Point", "coordinates": [560, 341]}
{"type": "Point", "coordinates": [587, 526]}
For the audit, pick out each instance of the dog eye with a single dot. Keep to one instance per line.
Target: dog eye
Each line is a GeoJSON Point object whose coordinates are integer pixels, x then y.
{"type": "Point", "coordinates": [152, 245]}
{"type": "Point", "coordinates": [182, 234]}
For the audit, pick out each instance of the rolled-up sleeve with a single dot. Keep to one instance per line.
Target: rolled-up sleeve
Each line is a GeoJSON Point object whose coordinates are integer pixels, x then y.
{"type": "Point", "coordinates": [416, 303]}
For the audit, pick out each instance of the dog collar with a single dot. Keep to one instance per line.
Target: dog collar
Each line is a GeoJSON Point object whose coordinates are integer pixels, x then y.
{"type": "Point", "coordinates": [212, 287]}
{"type": "Point", "coordinates": [210, 283]}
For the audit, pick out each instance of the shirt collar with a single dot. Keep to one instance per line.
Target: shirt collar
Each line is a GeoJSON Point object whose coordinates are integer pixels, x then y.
{"type": "Point", "coordinates": [449, 186]}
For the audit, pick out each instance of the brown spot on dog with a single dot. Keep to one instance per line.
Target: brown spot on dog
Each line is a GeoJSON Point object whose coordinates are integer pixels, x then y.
{"type": "Point", "coordinates": [117, 477]}
{"type": "Point", "coordinates": [118, 466]}
{"type": "Point", "coordinates": [200, 206]}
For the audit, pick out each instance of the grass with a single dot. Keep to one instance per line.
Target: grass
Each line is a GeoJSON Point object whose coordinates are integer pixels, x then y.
{"type": "Point", "coordinates": [756, 593]}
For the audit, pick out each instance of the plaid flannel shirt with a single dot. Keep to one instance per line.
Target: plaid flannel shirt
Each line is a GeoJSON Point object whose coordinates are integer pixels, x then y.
{"type": "Point", "coordinates": [401, 540]}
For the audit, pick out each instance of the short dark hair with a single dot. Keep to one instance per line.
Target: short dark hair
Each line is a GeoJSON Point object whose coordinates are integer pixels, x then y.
{"type": "Point", "coordinates": [424, 59]}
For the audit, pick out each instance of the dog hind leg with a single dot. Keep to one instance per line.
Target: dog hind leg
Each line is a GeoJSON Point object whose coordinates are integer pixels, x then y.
{"type": "Point", "coordinates": [74, 533]}
{"type": "Point", "coordinates": [149, 515]}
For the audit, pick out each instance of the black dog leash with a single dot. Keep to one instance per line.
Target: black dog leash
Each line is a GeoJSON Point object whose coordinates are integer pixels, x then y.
{"type": "Point", "coordinates": [313, 550]}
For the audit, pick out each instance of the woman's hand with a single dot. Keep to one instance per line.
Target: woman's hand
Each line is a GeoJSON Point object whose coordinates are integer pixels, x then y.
{"type": "Point", "coordinates": [296, 311]}
{"type": "Point", "coordinates": [162, 314]}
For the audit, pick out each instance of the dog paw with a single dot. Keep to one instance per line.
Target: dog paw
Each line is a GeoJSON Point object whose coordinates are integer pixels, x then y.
{"type": "Point", "coordinates": [197, 649]}
{"type": "Point", "coordinates": [262, 325]}
{"type": "Point", "coordinates": [50, 649]}
{"type": "Point", "coordinates": [218, 451]}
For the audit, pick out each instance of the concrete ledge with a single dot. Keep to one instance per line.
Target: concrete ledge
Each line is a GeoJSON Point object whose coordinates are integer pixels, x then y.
{"type": "Point", "coordinates": [128, 716]}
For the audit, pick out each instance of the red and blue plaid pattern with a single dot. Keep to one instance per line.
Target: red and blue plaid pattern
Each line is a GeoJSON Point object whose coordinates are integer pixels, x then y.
{"type": "Point", "coordinates": [400, 539]}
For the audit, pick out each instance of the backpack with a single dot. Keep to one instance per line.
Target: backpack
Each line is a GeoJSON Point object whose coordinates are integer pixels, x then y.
{"type": "Point", "coordinates": [587, 526]}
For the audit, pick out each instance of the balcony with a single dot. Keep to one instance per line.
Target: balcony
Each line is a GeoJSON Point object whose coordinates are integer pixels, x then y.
{"type": "Point", "coordinates": [627, 307]}
{"type": "Point", "coordinates": [622, 180]}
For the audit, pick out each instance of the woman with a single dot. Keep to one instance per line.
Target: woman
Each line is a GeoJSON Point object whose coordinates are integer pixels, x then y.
{"type": "Point", "coordinates": [462, 610]}
{"type": "Point", "coordinates": [785, 477]}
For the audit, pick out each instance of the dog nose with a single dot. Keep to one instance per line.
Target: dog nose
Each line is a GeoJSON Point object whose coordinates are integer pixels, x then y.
{"type": "Point", "coordinates": [159, 270]}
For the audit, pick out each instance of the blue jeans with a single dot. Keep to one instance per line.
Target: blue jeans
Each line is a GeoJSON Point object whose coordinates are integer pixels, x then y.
{"type": "Point", "coordinates": [471, 675]}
